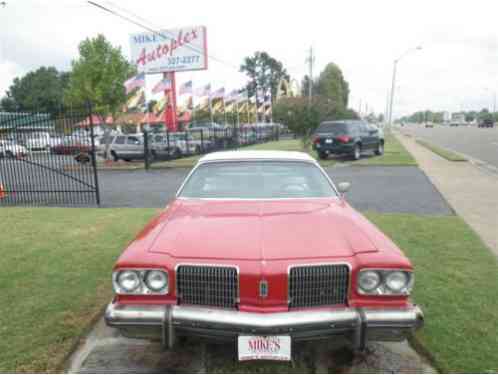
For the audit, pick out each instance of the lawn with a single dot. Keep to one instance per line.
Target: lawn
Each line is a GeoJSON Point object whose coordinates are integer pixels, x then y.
{"type": "Point", "coordinates": [394, 154]}
{"type": "Point", "coordinates": [457, 287]}
{"type": "Point", "coordinates": [55, 279]}
{"type": "Point", "coordinates": [447, 154]}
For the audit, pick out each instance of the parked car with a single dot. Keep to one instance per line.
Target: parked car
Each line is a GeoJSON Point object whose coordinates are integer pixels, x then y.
{"type": "Point", "coordinates": [72, 146]}
{"type": "Point", "coordinates": [262, 249]}
{"type": "Point", "coordinates": [126, 147]}
{"type": "Point", "coordinates": [186, 144]}
{"type": "Point", "coordinates": [350, 137]}
{"type": "Point", "coordinates": [429, 124]}
{"type": "Point", "coordinates": [11, 149]}
{"type": "Point", "coordinates": [39, 141]}
{"type": "Point", "coordinates": [486, 123]}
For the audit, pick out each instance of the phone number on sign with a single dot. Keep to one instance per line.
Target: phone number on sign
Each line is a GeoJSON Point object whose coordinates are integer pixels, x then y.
{"type": "Point", "coordinates": [183, 60]}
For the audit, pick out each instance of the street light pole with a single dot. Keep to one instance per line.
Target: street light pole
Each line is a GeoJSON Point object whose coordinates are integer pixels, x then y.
{"type": "Point", "coordinates": [393, 84]}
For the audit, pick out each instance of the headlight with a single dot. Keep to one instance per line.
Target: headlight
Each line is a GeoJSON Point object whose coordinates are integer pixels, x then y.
{"type": "Point", "coordinates": [156, 280]}
{"type": "Point", "coordinates": [397, 281]}
{"type": "Point", "coordinates": [129, 281]}
{"type": "Point", "coordinates": [369, 280]}
{"type": "Point", "coordinates": [140, 281]}
{"type": "Point", "coordinates": [385, 282]}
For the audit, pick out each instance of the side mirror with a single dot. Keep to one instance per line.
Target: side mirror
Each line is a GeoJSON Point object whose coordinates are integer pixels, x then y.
{"type": "Point", "coordinates": [343, 187]}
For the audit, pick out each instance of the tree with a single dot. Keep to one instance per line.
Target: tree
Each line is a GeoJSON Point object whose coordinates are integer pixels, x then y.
{"type": "Point", "coordinates": [331, 84]}
{"type": "Point", "coordinates": [98, 76]}
{"type": "Point", "coordinates": [264, 71]}
{"type": "Point", "coordinates": [40, 90]}
{"type": "Point", "coordinates": [7, 104]}
{"type": "Point", "coordinates": [302, 119]}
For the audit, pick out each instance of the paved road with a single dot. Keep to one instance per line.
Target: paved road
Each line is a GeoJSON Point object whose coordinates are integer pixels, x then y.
{"type": "Point", "coordinates": [381, 189]}
{"type": "Point", "coordinates": [478, 143]}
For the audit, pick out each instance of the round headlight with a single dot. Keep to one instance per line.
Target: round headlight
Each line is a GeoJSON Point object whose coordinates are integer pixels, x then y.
{"type": "Point", "coordinates": [129, 281]}
{"type": "Point", "coordinates": [369, 280]}
{"type": "Point", "coordinates": [156, 280]}
{"type": "Point", "coordinates": [396, 281]}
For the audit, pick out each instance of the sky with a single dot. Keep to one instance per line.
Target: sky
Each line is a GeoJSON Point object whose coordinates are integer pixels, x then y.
{"type": "Point", "coordinates": [456, 69]}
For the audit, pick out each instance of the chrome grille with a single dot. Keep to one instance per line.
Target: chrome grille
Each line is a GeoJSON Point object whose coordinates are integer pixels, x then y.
{"type": "Point", "coordinates": [207, 285]}
{"type": "Point", "coordinates": [318, 285]}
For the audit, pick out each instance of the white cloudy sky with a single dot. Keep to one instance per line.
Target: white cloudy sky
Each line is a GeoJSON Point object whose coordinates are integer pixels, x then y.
{"type": "Point", "coordinates": [456, 69]}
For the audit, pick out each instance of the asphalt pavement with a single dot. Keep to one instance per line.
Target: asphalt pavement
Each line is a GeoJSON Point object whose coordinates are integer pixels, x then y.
{"type": "Point", "coordinates": [380, 189]}
{"type": "Point", "coordinates": [477, 143]}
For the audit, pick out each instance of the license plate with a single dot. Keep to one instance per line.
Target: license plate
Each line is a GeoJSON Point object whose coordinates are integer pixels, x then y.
{"type": "Point", "coordinates": [329, 141]}
{"type": "Point", "coordinates": [273, 348]}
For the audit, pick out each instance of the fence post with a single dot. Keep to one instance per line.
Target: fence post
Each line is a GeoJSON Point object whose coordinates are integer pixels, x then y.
{"type": "Point", "coordinates": [146, 150]}
{"type": "Point", "coordinates": [202, 140]}
{"type": "Point", "coordinates": [93, 155]}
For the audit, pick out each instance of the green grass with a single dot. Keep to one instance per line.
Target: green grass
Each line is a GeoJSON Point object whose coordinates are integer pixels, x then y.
{"type": "Point", "coordinates": [55, 278]}
{"type": "Point", "coordinates": [394, 155]}
{"type": "Point", "coordinates": [447, 154]}
{"type": "Point", "coordinates": [457, 287]}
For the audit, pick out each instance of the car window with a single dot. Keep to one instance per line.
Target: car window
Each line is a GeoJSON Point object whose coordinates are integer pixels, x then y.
{"type": "Point", "coordinates": [133, 141]}
{"type": "Point", "coordinates": [120, 140]}
{"type": "Point", "coordinates": [257, 180]}
{"type": "Point", "coordinates": [335, 128]}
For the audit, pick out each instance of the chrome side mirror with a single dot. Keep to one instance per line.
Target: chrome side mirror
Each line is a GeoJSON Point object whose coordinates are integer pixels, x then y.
{"type": "Point", "coordinates": [343, 187]}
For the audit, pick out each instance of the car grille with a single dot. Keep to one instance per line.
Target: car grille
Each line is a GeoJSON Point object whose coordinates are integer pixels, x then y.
{"type": "Point", "coordinates": [207, 285]}
{"type": "Point", "coordinates": [318, 285]}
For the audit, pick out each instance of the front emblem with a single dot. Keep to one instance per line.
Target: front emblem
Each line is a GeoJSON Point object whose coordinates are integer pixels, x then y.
{"type": "Point", "coordinates": [263, 288]}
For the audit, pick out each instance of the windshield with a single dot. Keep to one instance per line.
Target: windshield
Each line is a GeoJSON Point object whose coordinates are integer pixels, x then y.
{"type": "Point", "coordinates": [257, 180]}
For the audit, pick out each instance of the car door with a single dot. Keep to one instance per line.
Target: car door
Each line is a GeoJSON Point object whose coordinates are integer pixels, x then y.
{"type": "Point", "coordinates": [119, 145]}
{"type": "Point", "coordinates": [134, 147]}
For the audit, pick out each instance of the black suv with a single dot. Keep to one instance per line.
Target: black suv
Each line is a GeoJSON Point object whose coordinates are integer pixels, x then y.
{"type": "Point", "coordinates": [347, 137]}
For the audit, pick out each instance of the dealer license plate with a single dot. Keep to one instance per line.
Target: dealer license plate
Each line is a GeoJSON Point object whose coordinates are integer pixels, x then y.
{"type": "Point", "coordinates": [329, 141]}
{"type": "Point", "coordinates": [274, 348]}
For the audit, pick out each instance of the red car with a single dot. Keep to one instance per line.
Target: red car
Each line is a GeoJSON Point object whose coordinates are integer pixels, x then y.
{"type": "Point", "coordinates": [261, 248]}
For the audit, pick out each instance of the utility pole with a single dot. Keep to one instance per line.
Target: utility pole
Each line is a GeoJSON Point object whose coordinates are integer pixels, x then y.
{"type": "Point", "coordinates": [310, 60]}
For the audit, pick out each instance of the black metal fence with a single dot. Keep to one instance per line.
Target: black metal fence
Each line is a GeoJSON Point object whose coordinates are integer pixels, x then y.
{"type": "Point", "coordinates": [174, 145]}
{"type": "Point", "coordinates": [48, 158]}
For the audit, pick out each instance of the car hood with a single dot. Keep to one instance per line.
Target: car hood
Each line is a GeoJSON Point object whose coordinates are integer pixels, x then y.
{"type": "Point", "coordinates": [259, 230]}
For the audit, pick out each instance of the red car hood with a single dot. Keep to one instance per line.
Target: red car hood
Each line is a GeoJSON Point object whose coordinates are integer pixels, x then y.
{"type": "Point", "coordinates": [261, 230]}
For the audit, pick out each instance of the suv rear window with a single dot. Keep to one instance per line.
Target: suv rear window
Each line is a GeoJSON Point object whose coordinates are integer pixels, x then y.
{"type": "Point", "coordinates": [337, 128]}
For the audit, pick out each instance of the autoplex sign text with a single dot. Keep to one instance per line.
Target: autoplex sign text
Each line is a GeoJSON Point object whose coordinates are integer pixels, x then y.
{"type": "Point", "coordinates": [170, 50]}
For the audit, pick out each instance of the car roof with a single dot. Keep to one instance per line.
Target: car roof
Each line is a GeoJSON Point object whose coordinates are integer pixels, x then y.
{"type": "Point", "coordinates": [256, 155]}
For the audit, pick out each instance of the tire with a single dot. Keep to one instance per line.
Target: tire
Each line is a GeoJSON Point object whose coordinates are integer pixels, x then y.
{"type": "Point", "coordinates": [197, 150]}
{"type": "Point", "coordinates": [153, 155]}
{"type": "Point", "coordinates": [177, 153]}
{"type": "Point", "coordinates": [9, 155]}
{"type": "Point", "coordinates": [380, 149]}
{"type": "Point", "coordinates": [114, 156]}
{"type": "Point", "coordinates": [322, 155]}
{"type": "Point", "coordinates": [357, 152]}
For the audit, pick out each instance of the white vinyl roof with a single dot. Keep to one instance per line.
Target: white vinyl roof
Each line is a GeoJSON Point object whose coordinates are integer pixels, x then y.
{"type": "Point", "coordinates": [256, 155]}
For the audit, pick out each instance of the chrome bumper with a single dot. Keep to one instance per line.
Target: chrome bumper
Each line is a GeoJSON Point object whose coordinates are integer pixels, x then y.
{"type": "Point", "coordinates": [358, 325]}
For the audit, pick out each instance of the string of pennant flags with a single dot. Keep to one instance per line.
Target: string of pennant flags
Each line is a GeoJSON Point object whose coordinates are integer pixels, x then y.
{"type": "Point", "coordinates": [216, 101]}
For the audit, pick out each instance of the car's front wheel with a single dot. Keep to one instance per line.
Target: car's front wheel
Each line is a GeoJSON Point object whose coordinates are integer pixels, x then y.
{"type": "Point", "coordinates": [357, 152]}
{"type": "Point", "coordinates": [380, 149]}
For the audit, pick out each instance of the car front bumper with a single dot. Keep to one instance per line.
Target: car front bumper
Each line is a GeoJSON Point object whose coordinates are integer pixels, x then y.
{"type": "Point", "coordinates": [358, 325]}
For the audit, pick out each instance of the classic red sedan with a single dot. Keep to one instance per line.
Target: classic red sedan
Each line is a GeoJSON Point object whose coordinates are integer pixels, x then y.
{"type": "Point", "coordinates": [260, 247]}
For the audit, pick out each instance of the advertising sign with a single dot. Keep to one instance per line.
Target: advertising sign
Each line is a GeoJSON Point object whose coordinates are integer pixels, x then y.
{"type": "Point", "coordinates": [174, 50]}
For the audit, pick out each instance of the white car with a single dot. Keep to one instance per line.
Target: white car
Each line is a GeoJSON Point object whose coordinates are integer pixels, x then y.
{"type": "Point", "coordinates": [10, 149]}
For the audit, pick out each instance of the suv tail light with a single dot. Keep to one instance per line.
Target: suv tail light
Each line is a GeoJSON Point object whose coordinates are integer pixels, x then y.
{"type": "Point", "coordinates": [344, 138]}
